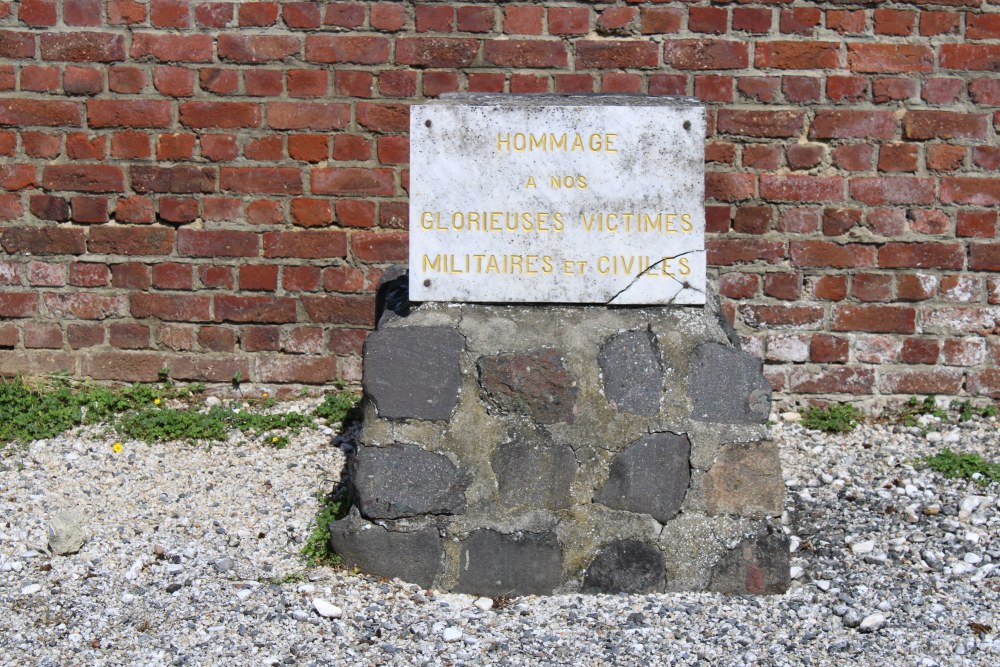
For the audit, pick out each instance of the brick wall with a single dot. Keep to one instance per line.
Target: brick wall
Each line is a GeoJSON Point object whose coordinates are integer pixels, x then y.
{"type": "Point", "coordinates": [215, 187]}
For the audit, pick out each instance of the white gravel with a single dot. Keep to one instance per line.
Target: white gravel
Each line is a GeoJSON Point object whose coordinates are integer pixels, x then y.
{"type": "Point", "coordinates": [191, 558]}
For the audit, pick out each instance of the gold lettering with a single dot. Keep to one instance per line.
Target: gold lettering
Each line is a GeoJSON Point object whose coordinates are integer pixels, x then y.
{"type": "Point", "coordinates": [536, 142]}
{"type": "Point", "coordinates": [547, 265]}
{"type": "Point", "coordinates": [558, 143]}
{"type": "Point", "coordinates": [428, 264]}
{"type": "Point", "coordinates": [609, 140]}
{"type": "Point", "coordinates": [520, 142]}
{"type": "Point", "coordinates": [685, 267]}
{"type": "Point", "coordinates": [531, 183]}
{"type": "Point", "coordinates": [577, 143]}
{"type": "Point", "coordinates": [686, 222]}
{"type": "Point", "coordinates": [503, 142]}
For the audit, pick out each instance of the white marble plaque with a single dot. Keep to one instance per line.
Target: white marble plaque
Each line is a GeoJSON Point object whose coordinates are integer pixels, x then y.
{"type": "Point", "coordinates": [557, 199]}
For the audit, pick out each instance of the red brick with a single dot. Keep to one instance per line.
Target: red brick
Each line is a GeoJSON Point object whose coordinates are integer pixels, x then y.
{"type": "Point", "coordinates": [265, 212]}
{"type": "Point", "coordinates": [83, 178]}
{"type": "Point", "coordinates": [890, 58]}
{"type": "Point", "coordinates": [131, 275]}
{"type": "Point", "coordinates": [827, 349]}
{"type": "Point", "coordinates": [971, 190]}
{"type": "Point", "coordinates": [82, 46]}
{"type": "Point", "coordinates": [82, 81]}
{"type": "Point", "coordinates": [711, 88]}
{"type": "Point", "coordinates": [752, 19]}
{"type": "Point", "coordinates": [523, 20]}
{"type": "Point", "coordinates": [984, 257]}
{"type": "Point", "coordinates": [801, 188]}
{"type": "Point", "coordinates": [983, 91]}
{"type": "Point", "coordinates": [797, 55]}
{"type": "Point", "coordinates": [219, 81]}
{"type": "Point", "coordinates": [660, 20]}
{"type": "Point", "coordinates": [379, 247]}
{"type": "Point", "coordinates": [181, 179]}
{"type": "Point", "coordinates": [711, 20]}
{"type": "Point", "coordinates": [760, 123]}
{"type": "Point", "coordinates": [872, 287]}
{"type": "Point", "coordinates": [977, 224]}
{"type": "Point", "coordinates": [799, 20]}
{"type": "Point", "coordinates": [475, 19]}
{"type": "Point", "coordinates": [259, 277]}
{"type": "Point", "coordinates": [255, 49]}
{"type": "Point", "coordinates": [304, 340]}
{"type": "Point", "coordinates": [80, 146]}
{"type": "Point", "coordinates": [89, 274]}
{"type": "Point", "coordinates": [18, 304]}
{"type": "Point", "coordinates": [262, 83]}
{"type": "Point", "coordinates": [452, 53]}
{"type": "Point", "coordinates": [261, 180]}
{"type": "Point", "coordinates": [128, 335]}
{"type": "Point", "coordinates": [874, 319]}
{"type": "Point", "coordinates": [720, 152]}
{"type": "Point", "coordinates": [216, 243]}
{"type": "Point", "coordinates": [177, 337]}
{"type": "Point", "coordinates": [915, 286]}
{"type": "Point", "coordinates": [27, 112]}
{"type": "Point", "coordinates": [217, 339]}
{"type": "Point", "coordinates": [352, 83]}
{"type": "Point", "coordinates": [47, 207]}
{"type": "Point", "coordinates": [982, 26]}
{"type": "Point", "coordinates": [89, 210]}
{"type": "Point", "coordinates": [846, 22]}
{"type": "Point", "coordinates": [307, 83]}
{"type": "Point", "coordinates": [214, 14]}
{"type": "Point", "coordinates": [437, 83]}
{"type": "Point", "coordinates": [847, 123]}
{"type": "Point", "coordinates": [727, 252]}
{"type": "Point", "coordinates": [220, 114]}
{"type": "Point", "coordinates": [986, 157]}
{"type": "Point", "coordinates": [268, 309]}
{"type": "Point", "coordinates": [944, 125]}
{"type": "Point", "coordinates": [119, 240]}
{"type": "Point", "coordinates": [922, 255]}
{"type": "Point", "coordinates": [383, 117]}
{"type": "Point", "coordinates": [835, 380]}
{"type": "Point", "coordinates": [321, 370]}
{"type": "Point", "coordinates": [178, 210]}
{"type": "Point", "coordinates": [729, 186]}
{"type": "Point", "coordinates": [736, 285]}
{"type": "Point", "coordinates": [37, 13]}
{"type": "Point", "coordinates": [44, 274]}
{"type": "Point", "coordinates": [39, 79]}
{"type": "Point", "coordinates": [985, 382]}
{"type": "Point", "coordinates": [830, 288]}
{"type": "Point", "coordinates": [125, 366]}
{"type": "Point", "coordinates": [939, 23]}
{"type": "Point", "coordinates": [343, 279]}
{"type": "Point", "coordinates": [128, 113]}
{"type": "Point", "coordinates": [9, 336]}
{"type": "Point", "coordinates": [216, 277]}
{"type": "Point", "coordinates": [356, 213]}
{"type": "Point", "coordinates": [434, 18]}
{"type": "Point", "coordinates": [312, 212]}
{"type": "Point", "coordinates": [929, 221]}
{"type": "Point", "coordinates": [801, 89]}
{"type": "Point", "coordinates": [961, 288]}
{"type": "Point", "coordinates": [170, 147]}
{"type": "Point", "coordinates": [919, 351]}
{"type": "Point", "coordinates": [258, 14]}
{"type": "Point", "coordinates": [310, 244]}
{"type": "Point", "coordinates": [893, 89]}
{"type": "Point", "coordinates": [892, 190]}
{"type": "Point", "coordinates": [308, 147]}
{"type": "Point", "coordinates": [908, 382]}
{"type": "Point", "coordinates": [783, 285]}
{"type": "Point", "coordinates": [172, 307]}
{"type": "Point", "coordinates": [348, 148]}
{"type": "Point", "coordinates": [388, 16]}
{"type": "Point", "coordinates": [574, 83]}
{"type": "Point", "coordinates": [825, 254]}
{"type": "Point", "coordinates": [758, 88]}
{"type": "Point", "coordinates": [301, 15]}
{"type": "Point", "coordinates": [18, 176]}
{"type": "Point", "coordinates": [171, 275]}
{"type": "Point", "coordinates": [853, 157]}
{"type": "Point", "coordinates": [347, 341]}
{"type": "Point", "coordinates": [805, 156]}
{"type": "Point", "coordinates": [752, 219]}
{"type": "Point", "coordinates": [897, 157]}
{"type": "Point", "coordinates": [535, 53]}
{"type": "Point", "coordinates": [706, 54]}
{"type": "Point", "coordinates": [44, 335]}
{"type": "Point", "coordinates": [167, 47]}
{"type": "Point", "coordinates": [358, 310]}
{"type": "Point", "coordinates": [135, 209]}
{"type": "Point", "coordinates": [344, 14]}
{"type": "Point", "coordinates": [838, 221]}
{"type": "Point", "coordinates": [260, 339]}
{"type": "Point", "coordinates": [945, 157]}
{"type": "Point", "coordinates": [772, 316]}
{"type": "Point", "coordinates": [300, 278]}
{"type": "Point", "coordinates": [485, 82]}
{"type": "Point", "coordinates": [352, 181]}
{"type": "Point", "coordinates": [846, 88]}
{"type": "Point", "coordinates": [894, 22]}
{"type": "Point", "coordinates": [170, 13]}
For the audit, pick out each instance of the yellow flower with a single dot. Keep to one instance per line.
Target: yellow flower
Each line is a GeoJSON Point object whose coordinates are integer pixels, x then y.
{"type": "Point", "coordinates": [264, 394]}
{"type": "Point", "coordinates": [156, 401]}
{"type": "Point", "coordinates": [274, 439]}
{"type": "Point", "coordinates": [117, 448]}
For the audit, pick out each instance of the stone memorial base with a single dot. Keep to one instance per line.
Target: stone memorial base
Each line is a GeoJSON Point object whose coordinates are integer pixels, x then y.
{"type": "Point", "coordinates": [516, 450]}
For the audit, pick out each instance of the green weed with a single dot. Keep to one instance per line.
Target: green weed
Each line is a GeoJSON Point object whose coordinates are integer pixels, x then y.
{"type": "Point", "coordinates": [839, 418]}
{"type": "Point", "coordinates": [963, 466]}
{"type": "Point", "coordinates": [332, 506]}
{"type": "Point", "coordinates": [966, 410]}
{"type": "Point", "coordinates": [338, 407]}
{"type": "Point", "coordinates": [915, 408]}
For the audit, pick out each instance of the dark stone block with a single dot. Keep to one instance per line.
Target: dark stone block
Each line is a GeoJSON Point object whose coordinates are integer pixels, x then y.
{"type": "Point", "coordinates": [727, 386]}
{"type": "Point", "coordinates": [415, 557]}
{"type": "Point", "coordinates": [626, 566]}
{"type": "Point", "coordinates": [494, 564]}
{"type": "Point", "coordinates": [632, 373]}
{"type": "Point", "coordinates": [537, 385]}
{"type": "Point", "coordinates": [405, 480]}
{"type": "Point", "coordinates": [650, 476]}
{"type": "Point", "coordinates": [532, 471]}
{"type": "Point", "coordinates": [413, 372]}
{"type": "Point", "coordinates": [756, 566]}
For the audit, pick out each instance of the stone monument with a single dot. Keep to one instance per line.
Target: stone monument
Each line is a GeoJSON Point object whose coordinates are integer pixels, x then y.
{"type": "Point", "coordinates": [553, 401]}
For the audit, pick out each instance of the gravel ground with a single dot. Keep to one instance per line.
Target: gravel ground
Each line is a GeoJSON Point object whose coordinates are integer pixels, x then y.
{"type": "Point", "coordinates": [191, 558]}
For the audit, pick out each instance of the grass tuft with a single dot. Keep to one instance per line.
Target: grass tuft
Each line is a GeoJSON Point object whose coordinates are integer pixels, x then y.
{"type": "Point", "coordinates": [963, 466]}
{"type": "Point", "coordinates": [839, 418]}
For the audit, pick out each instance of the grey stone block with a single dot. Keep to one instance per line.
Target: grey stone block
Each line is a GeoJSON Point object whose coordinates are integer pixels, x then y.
{"type": "Point", "coordinates": [650, 476]}
{"type": "Point", "coordinates": [626, 566]}
{"type": "Point", "coordinates": [404, 480]}
{"type": "Point", "coordinates": [727, 386]}
{"type": "Point", "coordinates": [756, 566]}
{"type": "Point", "coordinates": [537, 385]}
{"type": "Point", "coordinates": [632, 373]}
{"type": "Point", "coordinates": [416, 557]}
{"type": "Point", "coordinates": [494, 564]}
{"type": "Point", "coordinates": [413, 372]}
{"type": "Point", "coordinates": [532, 471]}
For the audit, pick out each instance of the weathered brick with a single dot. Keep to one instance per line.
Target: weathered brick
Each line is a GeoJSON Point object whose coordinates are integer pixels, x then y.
{"type": "Point", "coordinates": [706, 54]}
{"type": "Point", "coordinates": [848, 123]}
{"type": "Point", "coordinates": [760, 122]}
{"type": "Point", "coordinates": [797, 55]}
{"type": "Point", "coordinates": [309, 244]}
{"type": "Point", "coordinates": [270, 309]}
{"type": "Point", "coordinates": [217, 243]}
{"type": "Point", "coordinates": [890, 58]}
{"type": "Point", "coordinates": [172, 307]}
{"type": "Point", "coordinates": [874, 319]}
{"type": "Point", "coordinates": [83, 46]}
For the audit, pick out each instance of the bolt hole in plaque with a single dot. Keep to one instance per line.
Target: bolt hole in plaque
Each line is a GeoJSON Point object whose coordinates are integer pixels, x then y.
{"type": "Point", "coordinates": [558, 199]}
